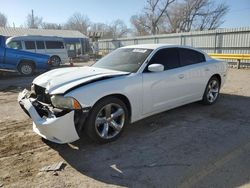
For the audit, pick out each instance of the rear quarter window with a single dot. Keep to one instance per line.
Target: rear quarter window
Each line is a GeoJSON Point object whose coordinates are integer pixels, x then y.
{"type": "Point", "coordinates": [189, 57]}
{"type": "Point", "coordinates": [54, 45]}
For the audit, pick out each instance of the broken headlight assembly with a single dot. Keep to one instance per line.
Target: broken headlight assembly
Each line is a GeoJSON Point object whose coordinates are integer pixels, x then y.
{"type": "Point", "coordinates": [32, 88]}
{"type": "Point", "coordinates": [62, 102]}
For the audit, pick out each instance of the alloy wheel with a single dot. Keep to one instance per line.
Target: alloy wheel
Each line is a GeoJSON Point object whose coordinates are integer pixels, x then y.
{"type": "Point", "coordinates": [110, 121]}
{"type": "Point", "coordinates": [55, 61]}
{"type": "Point", "coordinates": [213, 91]}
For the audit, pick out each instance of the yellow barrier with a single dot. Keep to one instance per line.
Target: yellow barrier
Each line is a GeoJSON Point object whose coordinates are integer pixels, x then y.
{"type": "Point", "coordinates": [237, 57]}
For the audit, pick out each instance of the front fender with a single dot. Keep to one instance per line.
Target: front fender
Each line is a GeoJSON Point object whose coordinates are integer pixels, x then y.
{"type": "Point", "coordinates": [129, 86]}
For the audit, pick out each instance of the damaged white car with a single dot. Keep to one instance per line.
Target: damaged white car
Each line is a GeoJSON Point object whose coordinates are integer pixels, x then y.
{"type": "Point", "coordinates": [127, 85]}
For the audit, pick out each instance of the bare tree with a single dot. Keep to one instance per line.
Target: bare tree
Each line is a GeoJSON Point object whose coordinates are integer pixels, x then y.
{"type": "Point", "coordinates": [3, 20]}
{"type": "Point", "coordinates": [196, 15]}
{"type": "Point", "coordinates": [98, 27]}
{"type": "Point", "coordinates": [213, 17]}
{"type": "Point", "coordinates": [51, 26]}
{"type": "Point", "coordinates": [152, 17]}
{"type": "Point", "coordinates": [165, 16]}
{"type": "Point", "coordinates": [140, 27]}
{"type": "Point", "coordinates": [33, 21]}
{"type": "Point", "coordinates": [78, 22]}
{"type": "Point", "coordinates": [115, 29]}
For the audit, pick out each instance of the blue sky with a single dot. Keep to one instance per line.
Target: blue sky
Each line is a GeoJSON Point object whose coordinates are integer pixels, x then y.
{"type": "Point", "coordinates": [58, 11]}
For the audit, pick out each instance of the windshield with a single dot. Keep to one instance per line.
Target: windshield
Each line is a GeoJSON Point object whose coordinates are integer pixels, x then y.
{"type": "Point", "coordinates": [124, 59]}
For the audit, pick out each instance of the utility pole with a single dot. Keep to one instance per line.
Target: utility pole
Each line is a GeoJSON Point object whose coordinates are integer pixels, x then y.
{"type": "Point", "coordinates": [32, 19]}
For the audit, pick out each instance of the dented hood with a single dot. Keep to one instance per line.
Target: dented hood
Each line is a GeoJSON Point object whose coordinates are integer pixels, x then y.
{"type": "Point", "coordinates": [60, 80]}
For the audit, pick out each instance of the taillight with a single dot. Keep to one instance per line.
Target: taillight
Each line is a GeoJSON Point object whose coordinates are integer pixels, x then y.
{"type": "Point", "coordinates": [49, 62]}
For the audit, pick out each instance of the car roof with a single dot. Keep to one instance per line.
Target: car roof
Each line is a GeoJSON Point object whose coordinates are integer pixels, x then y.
{"type": "Point", "coordinates": [35, 37]}
{"type": "Point", "coordinates": [152, 46]}
{"type": "Point", "coordinates": [162, 45]}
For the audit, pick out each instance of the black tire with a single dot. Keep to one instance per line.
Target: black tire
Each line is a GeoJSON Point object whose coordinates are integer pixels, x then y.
{"type": "Point", "coordinates": [56, 61]}
{"type": "Point", "coordinates": [26, 68]}
{"type": "Point", "coordinates": [94, 130]}
{"type": "Point", "coordinates": [211, 91]}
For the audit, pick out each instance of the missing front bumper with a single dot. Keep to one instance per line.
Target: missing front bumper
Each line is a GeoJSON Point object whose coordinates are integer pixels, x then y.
{"type": "Point", "coordinates": [56, 129]}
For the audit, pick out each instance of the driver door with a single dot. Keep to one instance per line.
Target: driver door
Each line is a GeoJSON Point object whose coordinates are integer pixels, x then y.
{"type": "Point", "coordinates": [163, 90]}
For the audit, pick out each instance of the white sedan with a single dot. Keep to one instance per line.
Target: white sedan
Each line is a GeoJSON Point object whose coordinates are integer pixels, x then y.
{"type": "Point", "coordinates": [127, 85]}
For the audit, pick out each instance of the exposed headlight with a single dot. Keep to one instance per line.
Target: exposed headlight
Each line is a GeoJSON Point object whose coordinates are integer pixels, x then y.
{"type": "Point", "coordinates": [65, 102]}
{"type": "Point", "coordinates": [32, 88]}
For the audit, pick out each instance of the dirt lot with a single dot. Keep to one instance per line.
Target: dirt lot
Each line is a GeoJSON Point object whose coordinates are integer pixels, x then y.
{"type": "Point", "coordinates": [191, 146]}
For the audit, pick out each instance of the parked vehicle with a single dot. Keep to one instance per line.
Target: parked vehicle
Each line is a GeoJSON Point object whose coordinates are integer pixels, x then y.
{"type": "Point", "coordinates": [52, 46]}
{"type": "Point", "coordinates": [127, 85]}
{"type": "Point", "coordinates": [24, 62]}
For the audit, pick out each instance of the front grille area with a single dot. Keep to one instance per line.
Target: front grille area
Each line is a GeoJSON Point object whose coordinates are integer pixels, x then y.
{"type": "Point", "coordinates": [41, 95]}
{"type": "Point", "coordinates": [43, 104]}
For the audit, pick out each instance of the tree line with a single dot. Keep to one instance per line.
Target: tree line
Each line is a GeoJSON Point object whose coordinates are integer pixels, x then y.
{"type": "Point", "coordinates": [156, 17]}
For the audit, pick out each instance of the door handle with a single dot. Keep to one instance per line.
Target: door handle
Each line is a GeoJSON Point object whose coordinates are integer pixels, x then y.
{"type": "Point", "coordinates": [181, 76]}
{"type": "Point", "coordinates": [207, 69]}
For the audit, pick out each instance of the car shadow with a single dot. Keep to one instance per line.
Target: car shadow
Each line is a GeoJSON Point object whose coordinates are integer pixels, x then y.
{"type": "Point", "coordinates": [165, 149]}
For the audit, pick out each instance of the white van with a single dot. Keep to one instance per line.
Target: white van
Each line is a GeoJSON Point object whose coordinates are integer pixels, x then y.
{"type": "Point", "coordinates": [52, 46]}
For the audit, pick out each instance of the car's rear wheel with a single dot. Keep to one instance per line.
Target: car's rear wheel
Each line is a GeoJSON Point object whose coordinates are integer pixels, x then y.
{"type": "Point", "coordinates": [211, 93]}
{"type": "Point", "coordinates": [26, 68]}
{"type": "Point", "coordinates": [56, 61]}
{"type": "Point", "coordinates": [107, 120]}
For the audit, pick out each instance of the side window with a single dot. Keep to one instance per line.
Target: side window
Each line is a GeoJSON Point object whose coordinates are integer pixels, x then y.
{"type": "Point", "coordinates": [29, 45]}
{"type": "Point", "coordinates": [54, 45]}
{"type": "Point", "coordinates": [168, 57]}
{"type": "Point", "coordinates": [15, 45]}
{"type": "Point", "coordinates": [40, 45]}
{"type": "Point", "coordinates": [189, 57]}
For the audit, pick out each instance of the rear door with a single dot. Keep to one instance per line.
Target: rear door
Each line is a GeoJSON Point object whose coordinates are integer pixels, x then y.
{"type": "Point", "coordinates": [194, 73]}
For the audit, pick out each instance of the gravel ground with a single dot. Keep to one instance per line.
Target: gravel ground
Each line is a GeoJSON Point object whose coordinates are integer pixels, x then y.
{"type": "Point", "coordinates": [191, 146]}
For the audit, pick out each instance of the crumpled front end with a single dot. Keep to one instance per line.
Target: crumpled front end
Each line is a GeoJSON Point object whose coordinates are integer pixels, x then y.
{"type": "Point", "coordinates": [57, 125]}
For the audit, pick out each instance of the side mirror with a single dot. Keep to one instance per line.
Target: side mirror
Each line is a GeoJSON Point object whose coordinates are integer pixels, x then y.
{"type": "Point", "coordinates": [156, 68]}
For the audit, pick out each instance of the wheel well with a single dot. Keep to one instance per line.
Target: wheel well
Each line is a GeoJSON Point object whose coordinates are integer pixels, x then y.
{"type": "Point", "coordinates": [56, 56]}
{"type": "Point", "coordinates": [123, 98]}
{"type": "Point", "coordinates": [217, 76]}
{"type": "Point", "coordinates": [26, 61]}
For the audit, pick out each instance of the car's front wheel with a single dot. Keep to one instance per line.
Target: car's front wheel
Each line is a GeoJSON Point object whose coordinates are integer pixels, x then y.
{"type": "Point", "coordinates": [211, 93]}
{"type": "Point", "coordinates": [107, 120]}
